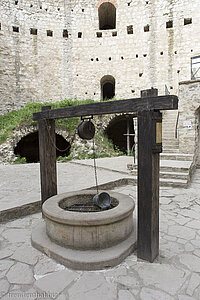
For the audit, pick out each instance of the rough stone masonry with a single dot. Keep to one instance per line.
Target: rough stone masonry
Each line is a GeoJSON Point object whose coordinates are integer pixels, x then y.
{"type": "Point", "coordinates": [56, 49]}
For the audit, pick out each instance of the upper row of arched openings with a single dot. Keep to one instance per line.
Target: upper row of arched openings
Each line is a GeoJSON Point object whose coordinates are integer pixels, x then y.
{"type": "Point", "coordinates": [107, 16]}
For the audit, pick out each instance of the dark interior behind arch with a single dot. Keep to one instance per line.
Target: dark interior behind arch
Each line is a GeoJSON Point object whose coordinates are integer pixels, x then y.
{"type": "Point", "coordinates": [117, 130]}
{"type": "Point", "coordinates": [107, 16]}
{"type": "Point", "coordinates": [28, 147]}
{"type": "Point", "coordinates": [107, 87]}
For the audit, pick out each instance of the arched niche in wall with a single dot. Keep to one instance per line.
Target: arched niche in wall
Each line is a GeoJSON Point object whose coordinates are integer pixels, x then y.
{"type": "Point", "coordinates": [107, 16]}
{"type": "Point", "coordinates": [28, 147]}
{"type": "Point", "coordinates": [121, 132]}
{"type": "Point", "coordinates": [107, 87]}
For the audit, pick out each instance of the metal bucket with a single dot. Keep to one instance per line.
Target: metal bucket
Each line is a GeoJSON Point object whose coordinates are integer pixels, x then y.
{"type": "Point", "coordinates": [102, 200]}
{"type": "Point", "coordinates": [86, 130]}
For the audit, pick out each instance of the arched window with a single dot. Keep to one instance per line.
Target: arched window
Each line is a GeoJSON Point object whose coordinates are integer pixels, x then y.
{"type": "Point", "coordinates": [107, 16]}
{"type": "Point", "coordinates": [107, 87]}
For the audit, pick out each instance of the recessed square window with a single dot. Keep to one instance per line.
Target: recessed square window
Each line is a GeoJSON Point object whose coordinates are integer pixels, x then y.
{"type": "Point", "coordinates": [187, 21]}
{"type": "Point", "coordinates": [65, 33]}
{"type": "Point", "coordinates": [146, 28]}
{"type": "Point", "coordinates": [33, 31]}
{"type": "Point", "coordinates": [114, 33]}
{"type": "Point", "coordinates": [79, 35]}
{"type": "Point", "coordinates": [15, 29]}
{"type": "Point", "coordinates": [99, 34]}
{"type": "Point", "coordinates": [169, 24]}
{"type": "Point", "coordinates": [49, 33]}
{"type": "Point", "coordinates": [130, 29]}
{"type": "Point", "coordinates": [16, 2]}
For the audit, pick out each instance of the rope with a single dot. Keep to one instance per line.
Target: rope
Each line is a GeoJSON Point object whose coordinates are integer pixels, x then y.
{"type": "Point", "coordinates": [61, 150]}
{"type": "Point", "coordinates": [95, 167]}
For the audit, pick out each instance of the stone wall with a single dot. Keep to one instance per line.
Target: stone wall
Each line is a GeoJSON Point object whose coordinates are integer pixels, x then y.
{"type": "Point", "coordinates": [48, 68]}
{"type": "Point", "coordinates": [34, 67]}
{"type": "Point", "coordinates": [189, 118]}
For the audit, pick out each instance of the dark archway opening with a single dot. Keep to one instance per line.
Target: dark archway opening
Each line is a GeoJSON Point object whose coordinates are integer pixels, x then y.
{"type": "Point", "coordinates": [108, 90]}
{"type": "Point", "coordinates": [121, 131]}
{"type": "Point", "coordinates": [28, 147]}
{"type": "Point", "coordinates": [107, 87]}
{"type": "Point", "coordinates": [107, 16]}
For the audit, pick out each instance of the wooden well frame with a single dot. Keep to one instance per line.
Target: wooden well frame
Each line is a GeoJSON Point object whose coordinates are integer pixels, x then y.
{"type": "Point", "coordinates": [148, 108]}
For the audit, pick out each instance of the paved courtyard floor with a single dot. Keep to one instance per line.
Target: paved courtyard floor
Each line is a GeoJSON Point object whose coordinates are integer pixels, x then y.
{"type": "Point", "coordinates": [26, 273]}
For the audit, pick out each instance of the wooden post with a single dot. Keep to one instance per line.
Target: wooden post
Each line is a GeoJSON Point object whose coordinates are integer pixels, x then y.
{"type": "Point", "coordinates": [47, 150]}
{"type": "Point", "coordinates": [128, 134]}
{"type": "Point", "coordinates": [148, 186]}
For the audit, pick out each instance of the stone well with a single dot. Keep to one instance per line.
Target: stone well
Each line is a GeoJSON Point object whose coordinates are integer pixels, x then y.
{"type": "Point", "coordinates": [86, 240]}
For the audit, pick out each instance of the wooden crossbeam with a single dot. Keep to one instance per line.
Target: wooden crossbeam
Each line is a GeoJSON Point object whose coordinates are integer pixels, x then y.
{"type": "Point", "coordinates": [168, 102]}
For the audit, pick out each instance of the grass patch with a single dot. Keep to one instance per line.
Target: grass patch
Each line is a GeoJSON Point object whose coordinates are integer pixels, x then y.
{"type": "Point", "coordinates": [24, 117]}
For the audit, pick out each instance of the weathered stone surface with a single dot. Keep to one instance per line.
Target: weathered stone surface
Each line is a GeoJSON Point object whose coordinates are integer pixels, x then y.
{"type": "Point", "coordinates": [192, 262]}
{"type": "Point", "coordinates": [170, 238]}
{"type": "Point", "coordinates": [189, 213]}
{"type": "Point", "coordinates": [26, 254]}
{"type": "Point", "coordinates": [19, 223]}
{"type": "Point", "coordinates": [170, 249]}
{"type": "Point", "coordinates": [189, 247]}
{"type": "Point", "coordinates": [2, 274]}
{"type": "Point", "coordinates": [197, 252]}
{"type": "Point", "coordinates": [46, 265]}
{"type": "Point", "coordinates": [196, 243]}
{"type": "Point", "coordinates": [165, 201]}
{"type": "Point", "coordinates": [20, 274]}
{"type": "Point", "coordinates": [56, 282]}
{"type": "Point", "coordinates": [92, 286]}
{"type": "Point", "coordinates": [16, 235]}
{"type": "Point", "coordinates": [185, 297]}
{"type": "Point", "coordinates": [181, 232]}
{"type": "Point", "coordinates": [125, 295]}
{"type": "Point", "coordinates": [66, 53]}
{"type": "Point", "coordinates": [182, 220]}
{"type": "Point", "coordinates": [4, 287]}
{"type": "Point", "coordinates": [193, 284]}
{"type": "Point", "coordinates": [5, 264]}
{"type": "Point", "coordinates": [5, 253]}
{"type": "Point", "coordinates": [152, 294]}
{"type": "Point", "coordinates": [114, 272]}
{"type": "Point", "coordinates": [195, 224]}
{"type": "Point", "coordinates": [128, 281]}
{"type": "Point", "coordinates": [164, 277]}
{"type": "Point", "coordinates": [62, 297]}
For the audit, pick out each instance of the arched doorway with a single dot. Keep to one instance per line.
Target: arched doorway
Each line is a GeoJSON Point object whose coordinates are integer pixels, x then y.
{"type": "Point", "coordinates": [107, 16]}
{"type": "Point", "coordinates": [107, 87]}
{"type": "Point", "coordinates": [28, 147]}
{"type": "Point", "coordinates": [121, 131]}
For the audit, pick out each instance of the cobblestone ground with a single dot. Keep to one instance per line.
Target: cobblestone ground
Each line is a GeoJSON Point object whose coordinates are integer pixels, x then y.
{"type": "Point", "coordinates": [28, 274]}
